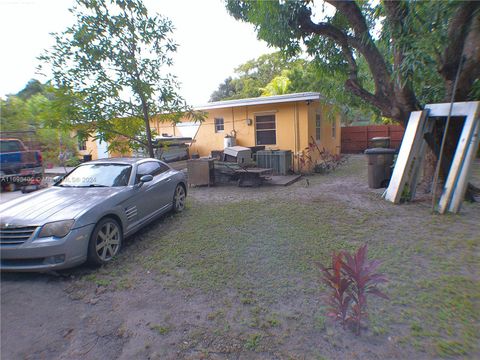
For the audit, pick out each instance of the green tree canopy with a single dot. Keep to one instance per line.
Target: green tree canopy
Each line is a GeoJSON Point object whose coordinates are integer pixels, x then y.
{"type": "Point", "coordinates": [33, 87]}
{"type": "Point", "coordinates": [112, 64]}
{"type": "Point", "coordinates": [415, 52]}
{"type": "Point", "coordinates": [29, 115]}
{"type": "Point", "coordinates": [293, 74]}
{"type": "Point", "coordinates": [251, 76]}
{"type": "Point", "coordinates": [411, 49]}
{"type": "Point", "coordinates": [279, 85]}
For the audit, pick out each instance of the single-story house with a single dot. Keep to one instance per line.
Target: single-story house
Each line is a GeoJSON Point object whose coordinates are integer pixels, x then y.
{"type": "Point", "coordinates": [95, 148]}
{"type": "Point", "coordinates": [281, 122]}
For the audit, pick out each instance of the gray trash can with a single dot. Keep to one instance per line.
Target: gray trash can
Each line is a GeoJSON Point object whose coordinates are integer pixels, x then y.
{"type": "Point", "coordinates": [380, 163]}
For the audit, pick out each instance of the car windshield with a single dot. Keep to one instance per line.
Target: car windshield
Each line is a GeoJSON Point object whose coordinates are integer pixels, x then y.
{"type": "Point", "coordinates": [98, 175]}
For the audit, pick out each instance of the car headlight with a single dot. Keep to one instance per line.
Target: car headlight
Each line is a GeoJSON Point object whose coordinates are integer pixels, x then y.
{"type": "Point", "coordinates": [57, 228]}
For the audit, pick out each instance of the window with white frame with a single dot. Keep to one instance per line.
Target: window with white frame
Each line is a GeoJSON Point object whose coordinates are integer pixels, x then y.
{"type": "Point", "coordinates": [265, 130]}
{"type": "Point", "coordinates": [219, 125]}
{"type": "Point", "coordinates": [318, 126]}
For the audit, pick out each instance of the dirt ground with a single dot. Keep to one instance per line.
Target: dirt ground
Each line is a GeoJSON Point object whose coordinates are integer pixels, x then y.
{"type": "Point", "coordinates": [234, 277]}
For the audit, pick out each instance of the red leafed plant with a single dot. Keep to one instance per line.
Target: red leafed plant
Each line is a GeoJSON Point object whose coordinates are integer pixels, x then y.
{"type": "Point", "coordinates": [352, 278]}
{"type": "Point", "coordinates": [339, 299]}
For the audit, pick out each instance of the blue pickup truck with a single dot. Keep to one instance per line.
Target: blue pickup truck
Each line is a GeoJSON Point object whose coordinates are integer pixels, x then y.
{"type": "Point", "coordinates": [18, 164]}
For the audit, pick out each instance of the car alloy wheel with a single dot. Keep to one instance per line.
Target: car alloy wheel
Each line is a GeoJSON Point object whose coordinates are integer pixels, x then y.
{"type": "Point", "coordinates": [179, 199]}
{"type": "Point", "coordinates": [105, 242]}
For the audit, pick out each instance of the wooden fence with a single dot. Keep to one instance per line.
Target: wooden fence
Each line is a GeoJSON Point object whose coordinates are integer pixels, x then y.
{"type": "Point", "coordinates": [355, 139]}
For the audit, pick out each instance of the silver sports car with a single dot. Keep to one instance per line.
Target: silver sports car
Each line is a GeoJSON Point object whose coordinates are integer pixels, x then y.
{"type": "Point", "coordinates": [87, 214]}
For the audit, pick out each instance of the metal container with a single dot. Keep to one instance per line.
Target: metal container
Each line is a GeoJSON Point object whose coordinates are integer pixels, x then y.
{"type": "Point", "coordinates": [380, 162]}
{"type": "Point", "coordinates": [229, 141]}
{"type": "Point", "coordinates": [201, 172]}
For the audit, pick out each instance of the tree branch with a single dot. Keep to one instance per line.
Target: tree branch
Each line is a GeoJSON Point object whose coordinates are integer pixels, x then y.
{"type": "Point", "coordinates": [464, 36]}
{"type": "Point", "coordinates": [396, 13]}
{"type": "Point", "coordinates": [108, 129]}
{"type": "Point", "coordinates": [354, 15]}
{"type": "Point", "coordinates": [347, 43]}
{"type": "Point", "coordinates": [356, 88]}
{"type": "Point", "coordinates": [457, 33]}
{"type": "Point", "coordinates": [363, 42]}
{"type": "Point", "coordinates": [395, 16]}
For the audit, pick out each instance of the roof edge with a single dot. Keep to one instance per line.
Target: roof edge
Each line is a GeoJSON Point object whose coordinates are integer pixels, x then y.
{"type": "Point", "coordinates": [262, 100]}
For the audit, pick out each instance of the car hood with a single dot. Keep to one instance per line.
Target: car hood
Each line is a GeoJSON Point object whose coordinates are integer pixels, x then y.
{"type": "Point", "coordinates": [52, 204]}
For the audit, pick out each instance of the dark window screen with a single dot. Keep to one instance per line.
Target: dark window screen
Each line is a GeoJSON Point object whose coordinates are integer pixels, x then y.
{"type": "Point", "coordinates": [266, 130]}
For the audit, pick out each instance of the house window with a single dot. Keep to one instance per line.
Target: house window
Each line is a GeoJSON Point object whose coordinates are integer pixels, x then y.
{"type": "Point", "coordinates": [318, 126]}
{"type": "Point", "coordinates": [219, 127]}
{"type": "Point", "coordinates": [82, 144]}
{"type": "Point", "coordinates": [334, 128]}
{"type": "Point", "coordinates": [266, 130]}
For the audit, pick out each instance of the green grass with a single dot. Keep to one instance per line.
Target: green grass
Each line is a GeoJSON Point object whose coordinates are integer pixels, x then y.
{"type": "Point", "coordinates": [98, 280]}
{"type": "Point", "coordinates": [264, 250]}
{"type": "Point", "coordinates": [255, 246]}
{"type": "Point", "coordinates": [160, 329]}
{"type": "Point", "coordinates": [253, 341]}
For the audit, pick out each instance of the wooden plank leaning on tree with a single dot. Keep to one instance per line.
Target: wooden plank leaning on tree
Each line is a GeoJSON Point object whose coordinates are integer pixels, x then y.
{"type": "Point", "coordinates": [409, 149]}
{"type": "Point", "coordinates": [459, 193]}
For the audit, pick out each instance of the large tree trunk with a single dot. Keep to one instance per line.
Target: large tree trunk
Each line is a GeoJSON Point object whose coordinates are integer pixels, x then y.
{"type": "Point", "coordinates": [460, 68]}
{"type": "Point", "coordinates": [463, 46]}
{"type": "Point", "coordinates": [394, 94]}
{"type": "Point", "coordinates": [434, 141]}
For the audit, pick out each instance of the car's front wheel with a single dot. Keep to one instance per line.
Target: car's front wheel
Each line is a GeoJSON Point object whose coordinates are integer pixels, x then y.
{"type": "Point", "coordinates": [105, 242]}
{"type": "Point", "coordinates": [179, 199]}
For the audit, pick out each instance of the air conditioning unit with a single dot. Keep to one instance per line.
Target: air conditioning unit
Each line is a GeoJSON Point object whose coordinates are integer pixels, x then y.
{"type": "Point", "coordinates": [278, 160]}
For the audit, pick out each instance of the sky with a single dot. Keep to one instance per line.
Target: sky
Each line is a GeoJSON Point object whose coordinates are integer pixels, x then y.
{"type": "Point", "coordinates": [211, 42]}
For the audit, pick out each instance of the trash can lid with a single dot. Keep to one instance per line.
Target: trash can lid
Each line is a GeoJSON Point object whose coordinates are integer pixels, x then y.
{"type": "Point", "coordinates": [377, 151]}
{"type": "Point", "coordinates": [380, 138]}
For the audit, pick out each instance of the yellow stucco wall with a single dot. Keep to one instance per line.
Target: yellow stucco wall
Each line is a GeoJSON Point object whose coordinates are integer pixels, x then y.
{"type": "Point", "coordinates": [295, 125]}
{"type": "Point", "coordinates": [330, 129]}
{"type": "Point", "coordinates": [92, 149]}
{"type": "Point", "coordinates": [91, 146]}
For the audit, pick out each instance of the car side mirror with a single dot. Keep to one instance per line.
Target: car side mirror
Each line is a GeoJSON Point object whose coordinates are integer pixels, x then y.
{"type": "Point", "coordinates": [143, 179]}
{"type": "Point", "coordinates": [146, 178]}
{"type": "Point", "coordinates": [56, 179]}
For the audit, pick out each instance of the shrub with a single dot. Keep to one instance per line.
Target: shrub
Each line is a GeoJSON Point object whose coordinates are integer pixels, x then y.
{"type": "Point", "coordinates": [351, 278]}
{"type": "Point", "coordinates": [325, 163]}
{"type": "Point", "coordinates": [339, 299]}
